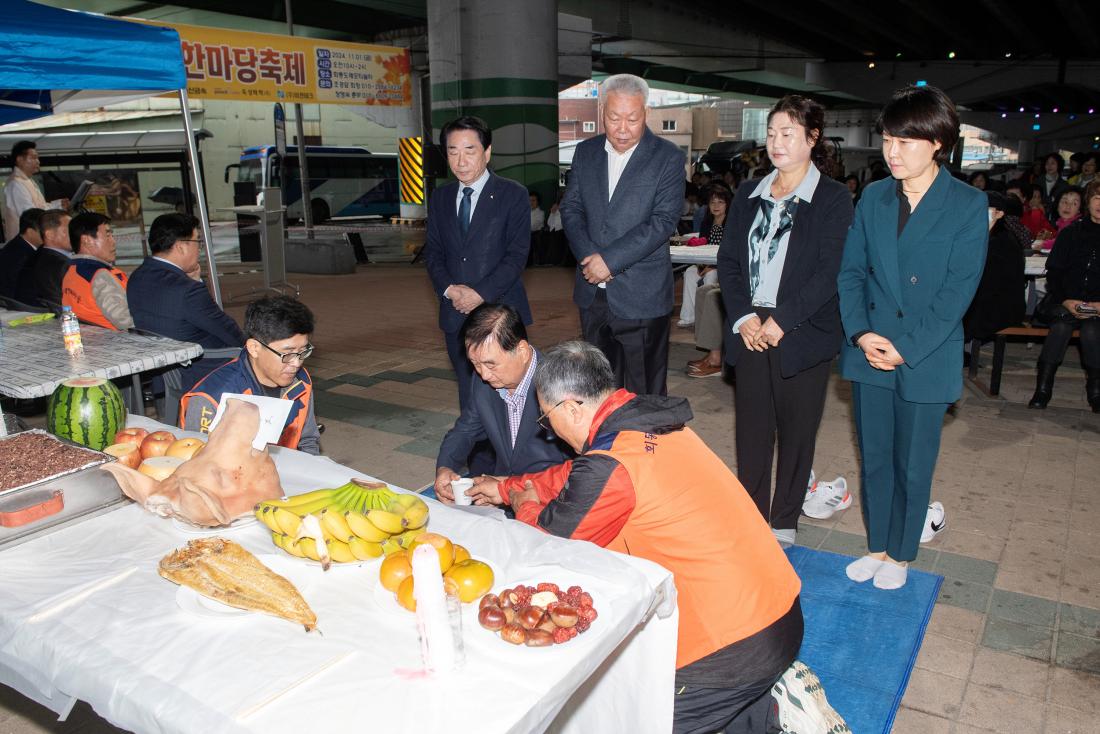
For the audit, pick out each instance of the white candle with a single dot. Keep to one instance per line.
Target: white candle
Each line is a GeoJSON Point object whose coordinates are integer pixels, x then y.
{"type": "Point", "coordinates": [437, 648]}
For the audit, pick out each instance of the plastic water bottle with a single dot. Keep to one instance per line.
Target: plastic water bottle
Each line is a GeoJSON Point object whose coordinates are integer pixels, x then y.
{"type": "Point", "coordinates": [70, 329]}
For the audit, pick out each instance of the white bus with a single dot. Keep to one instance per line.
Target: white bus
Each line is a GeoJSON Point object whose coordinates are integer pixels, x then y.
{"type": "Point", "coordinates": [343, 181]}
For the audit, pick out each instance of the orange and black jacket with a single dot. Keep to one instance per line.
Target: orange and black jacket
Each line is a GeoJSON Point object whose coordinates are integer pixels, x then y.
{"type": "Point", "coordinates": [646, 485]}
{"type": "Point", "coordinates": [199, 406]}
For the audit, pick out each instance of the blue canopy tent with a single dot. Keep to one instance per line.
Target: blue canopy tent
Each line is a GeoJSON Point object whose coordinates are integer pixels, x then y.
{"type": "Point", "coordinates": [56, 60]}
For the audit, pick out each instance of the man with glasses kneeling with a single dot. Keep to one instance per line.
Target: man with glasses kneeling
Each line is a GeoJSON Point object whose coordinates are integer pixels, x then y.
{"type": "Point", "coordinates": [276, 331]}
{"type": "Point", "coordinates": [645, 484]}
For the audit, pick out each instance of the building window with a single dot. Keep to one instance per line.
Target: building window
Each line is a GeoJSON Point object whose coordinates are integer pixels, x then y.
{"type": "Point", "coordinates": [589, 126]}
{"type": "Point", "coordinates": [668, 126]}
{"type": "Point", "coordinates": [754, 124]}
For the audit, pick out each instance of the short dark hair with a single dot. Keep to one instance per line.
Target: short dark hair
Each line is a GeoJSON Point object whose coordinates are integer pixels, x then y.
{"type": "Point", "coordinates": [1063, 192]}
{"type": "Point", "coordinates": [922, 113]}
{"type": "Point", "coordinates": [532, 192]}
{"type": "Point", "coordinates": [20, 149]}
{"type": "Point", "coordinates": [50, 220]}
{"type": "Point", "coordinates": [30, 219]}
{"type": "Point", "coordinates": [87, 223]}
{"type": "Point", "coordinates": [1091, 191]}
{"type": "Point", "coordinates": [497, 321]}
{"type": "Point", "coordinates": [1057, 157]}
{"type": "Point", "coordinates": [810, 115]}
{"type": "Point", "coordinates": [1008, 204]}
{"type": "Point", "coordinates": [718, 190]}
{"type": "Point", "coordinates": [274, 318]}
{"type": "Point", "coordinates": [467, 122]}
{"type": "Point", "coordinates": [974, 177]}
{"type": "Point", "coordinates": [167, 229]}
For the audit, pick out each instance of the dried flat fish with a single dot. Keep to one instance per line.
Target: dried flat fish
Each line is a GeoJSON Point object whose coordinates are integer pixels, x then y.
{"type": "Point", "coordinates": [224, 571]}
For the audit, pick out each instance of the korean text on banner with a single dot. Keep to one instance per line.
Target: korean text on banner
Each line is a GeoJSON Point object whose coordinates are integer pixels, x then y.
{"type": "Point", "coordinates": [262, 67]}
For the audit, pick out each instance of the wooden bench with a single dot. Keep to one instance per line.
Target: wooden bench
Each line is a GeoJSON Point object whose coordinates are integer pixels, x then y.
{"type": "Point", "coordinates": [1000, 339]}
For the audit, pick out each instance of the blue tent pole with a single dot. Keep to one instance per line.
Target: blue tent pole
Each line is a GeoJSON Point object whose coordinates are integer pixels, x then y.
{"type": "Point", "coordinates": [200, 195]}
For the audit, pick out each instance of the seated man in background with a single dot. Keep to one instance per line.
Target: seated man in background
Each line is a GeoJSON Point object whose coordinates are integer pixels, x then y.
{"type": "Point", "coordinates": [502, 406]}
{"type": "Point", "coordinates": [19, 250]}
{"type": "Point", "coordinates": [93, 286]}
{"type": "Point", "coordinates": [645, 485]}
{"type": "Point", "coordinates": [276, 333]}
{"type": "Point", "coordinates": [166, 296]}
{"type": "Point", "coordinates": [42, 274]}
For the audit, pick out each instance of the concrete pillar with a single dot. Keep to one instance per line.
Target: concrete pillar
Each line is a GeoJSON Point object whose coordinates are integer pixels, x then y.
{"type": "Point", "coordinates": [497, 59]}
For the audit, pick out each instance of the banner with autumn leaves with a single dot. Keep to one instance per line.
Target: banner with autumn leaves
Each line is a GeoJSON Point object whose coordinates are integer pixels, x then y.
{"type": "Point", "coordinates": [264, 67]}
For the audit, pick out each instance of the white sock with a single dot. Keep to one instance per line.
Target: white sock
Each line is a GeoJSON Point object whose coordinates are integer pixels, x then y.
{"type": "Point", "coordinates": [863, 569]}
{"type": "Point", "coordinates": [891, 576]}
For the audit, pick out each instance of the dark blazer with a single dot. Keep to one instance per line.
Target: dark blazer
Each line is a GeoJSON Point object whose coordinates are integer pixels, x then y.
{"type": "Point", "coordinates": [631, 230]}
{"type": "Point", "coordinates": [913, 289]}
{"type": "Point", "coordinates": [486, 417]}
{"type": "Point", "coordinates": [12, 259]}
{"type": "Point", "coordinates": [492, 255]}
{"type": "Point", "coordinates": [41, 277]}
{"type": "Point", "coordinates": [1001, 299]}
{"type": "Point", "coordinates": [164, 300]}
{"type": "Point", "coordinates": [806, 305]}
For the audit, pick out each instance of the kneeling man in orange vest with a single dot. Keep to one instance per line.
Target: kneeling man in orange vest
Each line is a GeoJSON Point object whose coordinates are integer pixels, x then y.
{"type": "Point", "coordinates": [646, 485]}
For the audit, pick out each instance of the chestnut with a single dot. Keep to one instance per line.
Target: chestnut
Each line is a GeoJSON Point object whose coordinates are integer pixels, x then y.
{"type": "Point", "coordinates": [489, 600]}
{"type": "Point", "coordinates": [492, 618]}
{"type": "Point", "coordinates": [509, 614]}
{"type": "Point", "coordinates": [539, 638]}
{"type": "Point", "coordinates": [547, 624]}
{"type": "Point", "coordinates": [564, 615]}
{"type": "Point", "coordinates": [513, 633]}
{"type": "Point", "coordinates": [530, 617]}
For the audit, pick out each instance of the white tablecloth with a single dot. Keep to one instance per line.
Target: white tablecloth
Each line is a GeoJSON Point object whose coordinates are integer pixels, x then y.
{"type": "Point", "coordinates": [147, 665]}
{"type": "Point", "coordinates": [701, 255]}
{"type": "Point", "coordinates": [33, 360]}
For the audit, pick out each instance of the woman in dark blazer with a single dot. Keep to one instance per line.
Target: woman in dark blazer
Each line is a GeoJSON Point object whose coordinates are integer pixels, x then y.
{"type": "Point", "coordinates": [912, 262]}
{"type": "Point", "coordinates": [777, 267]}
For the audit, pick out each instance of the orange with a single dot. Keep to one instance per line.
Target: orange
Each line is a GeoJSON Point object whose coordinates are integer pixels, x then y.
{"type": "Point", "coordinates": [405, 594]}
{"type": "Point", "coordinates": [395, 568]}
{"type": "Point", "coordinates": [473, 579]}
{"type": "Point", "coordinates": [461, 554]}
{"type": "Point", "coordinates": [442, 545]}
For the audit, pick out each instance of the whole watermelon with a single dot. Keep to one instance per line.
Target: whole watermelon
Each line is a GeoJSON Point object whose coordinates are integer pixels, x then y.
{"type": "Point", "coordinates": [86, 410]}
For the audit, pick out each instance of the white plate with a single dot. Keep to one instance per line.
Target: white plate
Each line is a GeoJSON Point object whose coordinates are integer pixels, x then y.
{"type": "Point", "coordinates": [191, 529]}
{"type": "Point", "coordinates": [198, 605]}
{"type": "Point", "coordinates": [476, 635]}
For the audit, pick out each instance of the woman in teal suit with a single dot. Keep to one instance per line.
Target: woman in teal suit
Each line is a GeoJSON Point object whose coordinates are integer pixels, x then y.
{"type": "Point", "coordinates": [911, 265]}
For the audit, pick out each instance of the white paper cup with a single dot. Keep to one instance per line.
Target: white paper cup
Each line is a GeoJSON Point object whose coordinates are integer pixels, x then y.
{"type": "Point", "coordinates": [459, 487]}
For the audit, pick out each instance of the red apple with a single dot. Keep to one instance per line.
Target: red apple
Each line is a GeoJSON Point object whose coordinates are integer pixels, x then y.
{"type": "Point", "coordinates": [156, 444]}
{"type": "Point", "coordinates": [185, 448]}
{"type": "Point", "coordinates": [131, 435]}
{"type": "Point", "coordinates": [127, 454]}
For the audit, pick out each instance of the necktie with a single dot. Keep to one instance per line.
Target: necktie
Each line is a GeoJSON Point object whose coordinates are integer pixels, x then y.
{"type": "Point", "coordinates": [464, 210]}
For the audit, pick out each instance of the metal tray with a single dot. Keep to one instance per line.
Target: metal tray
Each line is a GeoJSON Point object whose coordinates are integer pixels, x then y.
{"type": "Point", "coordinates": [88, 492]}
{"type": "Point", "coordinates": [95, 458]}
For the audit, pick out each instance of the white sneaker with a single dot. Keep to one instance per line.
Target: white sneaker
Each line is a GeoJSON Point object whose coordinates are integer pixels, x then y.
{"type": "Point", "coordinates": [824, 499]}
{"type": "Point", "coordinates": [934, 522]}
{"type": "Point", "coordinates": [802, 706]}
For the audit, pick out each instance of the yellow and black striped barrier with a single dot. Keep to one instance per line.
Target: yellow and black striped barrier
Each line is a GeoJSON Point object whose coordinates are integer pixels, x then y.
{"type": "Point", "coordinates": [411, 174]}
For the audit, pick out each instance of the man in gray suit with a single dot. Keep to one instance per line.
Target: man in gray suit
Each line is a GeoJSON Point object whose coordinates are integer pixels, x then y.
{"type": "Point", "coordinates": [624, 198]}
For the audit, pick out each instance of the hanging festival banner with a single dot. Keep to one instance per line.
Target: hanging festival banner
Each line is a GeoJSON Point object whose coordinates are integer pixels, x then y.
{"type": "Point", "coordinates": [265, 67]}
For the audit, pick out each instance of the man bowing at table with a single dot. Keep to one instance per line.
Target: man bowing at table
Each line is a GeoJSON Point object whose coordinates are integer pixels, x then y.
{"type": "Point", "coordinates": [624, 198]}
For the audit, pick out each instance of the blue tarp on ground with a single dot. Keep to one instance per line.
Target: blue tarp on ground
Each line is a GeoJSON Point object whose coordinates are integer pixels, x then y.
{"type": "Point", "coordinates": [47, 54]}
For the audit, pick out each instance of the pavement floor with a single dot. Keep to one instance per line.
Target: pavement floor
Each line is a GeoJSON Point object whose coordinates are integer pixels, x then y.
{"type": "Point", "coordinates": [1014, 640]}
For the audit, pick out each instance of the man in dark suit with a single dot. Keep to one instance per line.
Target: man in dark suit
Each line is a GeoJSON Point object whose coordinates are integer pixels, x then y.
{"type": "Point", "coordinates": [623, 201]}
{"type": "Point", "coordinates": [19, 250]}
{"type": "Point", "coordinates": [166, 296]}
{"type": "Point", "coordinates": [42, 274]}
{"type": "Point", "coordinates": [479, 234]}
{"type": "Point", "coordinates": [502, 407]}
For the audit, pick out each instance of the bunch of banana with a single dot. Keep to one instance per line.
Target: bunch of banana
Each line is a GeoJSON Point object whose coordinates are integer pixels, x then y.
{"type": "Point", "coordinates": [355, 522]}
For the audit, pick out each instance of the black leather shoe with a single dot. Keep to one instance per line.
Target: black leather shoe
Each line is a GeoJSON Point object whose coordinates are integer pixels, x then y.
{"type": "Point", "coordinates": [1092, 389]}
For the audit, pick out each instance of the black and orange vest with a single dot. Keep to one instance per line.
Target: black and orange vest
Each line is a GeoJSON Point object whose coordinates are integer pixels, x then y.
{"type": "Point", "coordinates": [76, 290]}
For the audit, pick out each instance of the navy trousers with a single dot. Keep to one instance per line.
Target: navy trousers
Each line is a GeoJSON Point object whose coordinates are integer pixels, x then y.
{"type": "Point", "coordinates": [898, 444]}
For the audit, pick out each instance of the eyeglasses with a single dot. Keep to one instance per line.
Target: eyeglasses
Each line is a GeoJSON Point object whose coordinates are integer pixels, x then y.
{"type": "Point", "coordinates": [197, 242]}
{"type": "Point", "coordinates": [543, 419]}
{"type": "Point", "coordinates": [288, 357]}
